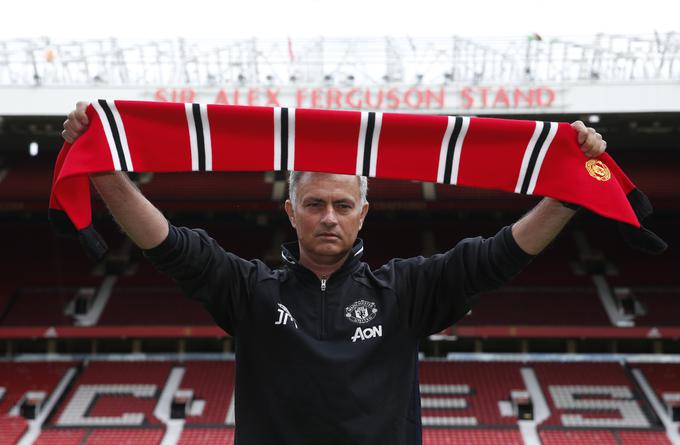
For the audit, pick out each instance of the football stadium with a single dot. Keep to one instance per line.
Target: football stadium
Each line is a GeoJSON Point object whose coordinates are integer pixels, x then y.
{"type": "Point", "coordinates": [582, 347]}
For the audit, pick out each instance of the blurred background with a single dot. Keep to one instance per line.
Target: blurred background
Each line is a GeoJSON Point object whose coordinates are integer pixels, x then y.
{"type": "Point", "coordinates": [583, 347]}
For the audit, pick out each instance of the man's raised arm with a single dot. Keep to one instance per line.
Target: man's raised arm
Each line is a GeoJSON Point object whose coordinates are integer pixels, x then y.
{"type": "Point", "coordinates": [535, 230]}
{"type": "Point", "coordinates": [142, 222]}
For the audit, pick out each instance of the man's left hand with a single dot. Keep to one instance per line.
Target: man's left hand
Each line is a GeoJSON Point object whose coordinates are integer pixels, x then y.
{"type": "Point", "coordinates": [591, 142]}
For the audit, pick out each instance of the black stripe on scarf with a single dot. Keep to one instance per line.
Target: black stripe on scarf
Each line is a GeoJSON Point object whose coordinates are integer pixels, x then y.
{"type": "Point", "coordinates": [368, 143]}
{"type": "Point", "coordinates": [284, 139]}
{"type": "Point", "coordinates": [448, 166]}
{"type": "Point", "coordinates": [115, 133]}
{"type": "Point", "coordinates": [534, 156]}
{"type": "Point", "coordinates": [200, 141]}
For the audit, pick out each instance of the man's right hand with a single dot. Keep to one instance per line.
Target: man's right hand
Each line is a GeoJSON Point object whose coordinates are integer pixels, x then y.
{"type": "Point", "coordinates": [142, 222]}
{"type": "Point", "coordinates": [76, 123]}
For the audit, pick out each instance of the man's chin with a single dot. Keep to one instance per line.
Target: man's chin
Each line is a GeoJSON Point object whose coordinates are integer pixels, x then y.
{"type": "Point", "coordinates": [330, 249]}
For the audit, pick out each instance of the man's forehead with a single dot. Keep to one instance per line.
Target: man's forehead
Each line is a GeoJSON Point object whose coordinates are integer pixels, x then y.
{"type": "Point", "coordinates": [328, 182]}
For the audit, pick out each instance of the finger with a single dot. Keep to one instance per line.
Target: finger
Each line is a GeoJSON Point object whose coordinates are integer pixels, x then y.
{"type": "Point", "coordinates": [73, 122]}
{"type": "Point", "coordinates": [69, 127]}
{"type": "Point", "coordinates": [597, 150]}
{"type": "Point", "coordinates": [81, 108]}
{"type": "Point", "coordinates": [590, 143]}
{"type": "Point", "coordinates": [581, 131]}
{"type": "Point", "coordinates": [67, 136]}
{"type": "Point", "coordinates": [587, 143]}
{"type": "Point", "coordinates": [591, 153]}
{"type": "Point", "coordinates": [590, 140]}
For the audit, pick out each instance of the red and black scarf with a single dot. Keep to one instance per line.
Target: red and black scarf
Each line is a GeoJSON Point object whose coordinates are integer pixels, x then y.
{"type": "Point", "coordinates": [527, 157]}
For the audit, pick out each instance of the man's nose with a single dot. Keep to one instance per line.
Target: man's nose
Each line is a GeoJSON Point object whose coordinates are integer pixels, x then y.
{"type": "Point", "coordinates": [329, 216]}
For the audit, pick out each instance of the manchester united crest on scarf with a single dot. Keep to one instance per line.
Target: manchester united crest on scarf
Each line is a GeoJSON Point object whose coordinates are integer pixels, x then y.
{"type": "Point", "coordinates": [361, 311]}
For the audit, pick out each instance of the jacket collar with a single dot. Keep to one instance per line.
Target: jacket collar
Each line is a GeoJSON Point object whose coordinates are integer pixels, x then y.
{"type": "Point", "coordinates": [290, 252]}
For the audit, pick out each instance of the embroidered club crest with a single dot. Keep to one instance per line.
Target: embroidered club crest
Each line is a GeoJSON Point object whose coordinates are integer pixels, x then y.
{"type": "Point", "coordinates": [361, 311]}
{"type": "Point", "coordinates": [598, 170]}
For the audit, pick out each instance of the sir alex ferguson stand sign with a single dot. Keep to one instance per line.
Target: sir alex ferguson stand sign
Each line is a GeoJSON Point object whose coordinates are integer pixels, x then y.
{"type": "Point", "coordinates": [490, 99]}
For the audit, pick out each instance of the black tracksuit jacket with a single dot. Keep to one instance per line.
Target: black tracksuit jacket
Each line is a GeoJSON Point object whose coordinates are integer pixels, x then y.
{"type": "Point", "coordinates": [333, 363]}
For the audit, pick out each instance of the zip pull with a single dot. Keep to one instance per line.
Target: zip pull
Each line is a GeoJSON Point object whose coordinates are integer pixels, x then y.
{"type": "Point", "coordinates": [323, 285]}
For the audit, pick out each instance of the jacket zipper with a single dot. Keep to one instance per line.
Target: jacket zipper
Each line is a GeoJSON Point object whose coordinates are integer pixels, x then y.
{"type": "Point", "coordinates": [323, 307]}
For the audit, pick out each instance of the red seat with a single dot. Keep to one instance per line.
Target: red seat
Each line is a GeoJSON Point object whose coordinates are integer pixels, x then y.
{"type": "Point", "coordinates": [212, 382]}
{"type": "Point", "coordinates": [432, 436]}
{"type": "Point", "coordinates": [200, 436]}
{"type": "Point", "coordinates": [61, 436]}
{"type": "Point", "coordinates": [11, 429]}
{"type": "Point", "coordinates": [583, 395]}
{"type": "Point", "coordinates": [125, 436]}
{"type": "Point", "coordinates": [487, 384]}
{"type": "Point", "coordinates": [561, 437]}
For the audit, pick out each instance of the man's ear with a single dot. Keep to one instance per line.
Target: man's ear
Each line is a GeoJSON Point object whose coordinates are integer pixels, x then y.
{"type": "Point", "coordinates": [364, 211]}
{"type": "Point", "coordinates": [290, 212]}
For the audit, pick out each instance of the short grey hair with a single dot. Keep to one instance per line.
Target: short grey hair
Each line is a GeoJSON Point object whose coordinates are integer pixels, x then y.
{"type": "Point", "coordinates": [294, 179]}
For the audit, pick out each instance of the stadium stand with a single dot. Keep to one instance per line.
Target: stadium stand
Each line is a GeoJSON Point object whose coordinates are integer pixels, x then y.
{"type": "Point", "coordinates": [557, 437]}
{"type": "Point", "coordinates": [18, 378]}
{"type": "Point", "coordinates": [26, 183]}
{"type": "Point", "coordinates": [41, 259]}
{"type": "Point", "coordinates": [124, 436]}
{"type": "Point", "coordinates": [635, 269]}
{"type": "Point", "coordinates": [142, 274]}
{"type": "Point", "coordinates": [661, 306]}
{"type": "Point", "coordinates": [642, 438]}
{"type": "Point", "coordinates": [139, 306]}
{"type": "Point", "coordinates": [664, 378]}
{"type": "Point", "coordinates": [213, 383]}
{"type": "Point", "coordinates": [199, 436]}
{"type": "Point", "coordinates": [11, 429]}
{"type": "Point", "coordinates": [464, 402]}
{"type": "Point", "coordinates": [601, 391]}
{"type": "Point", "coordinates": [389, 190]}
{"type": "Point", "coordinates": [21, 308]}
{"type": "Point", "coordinates": [547, 306]}
{"type": "Point", "coordinates": [665, 382]}
{"type": "Point", "coordinates": [105, 391]}
{"type": "Point", "coordinates": [472, 390]}
{"type": "Point", "coordinates": [214, 189]}
{"type": "Point", "coordinates": [64, 436]}
{"type": "Point", "coordinates": [471, 437]}
{"type": "Point", "coordinates": [552, 437]}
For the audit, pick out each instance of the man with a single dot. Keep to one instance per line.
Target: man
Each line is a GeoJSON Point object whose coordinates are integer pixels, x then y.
{"type": "Point", "coordinates": [327, 350]}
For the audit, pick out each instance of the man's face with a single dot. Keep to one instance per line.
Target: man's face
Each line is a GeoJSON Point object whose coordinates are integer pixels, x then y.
{"type": "Point", "coordinates": [327, 216]}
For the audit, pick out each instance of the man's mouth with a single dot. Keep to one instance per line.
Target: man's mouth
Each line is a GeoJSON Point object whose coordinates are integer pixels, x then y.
{"type": "Point", "coordinates": [328, 235]}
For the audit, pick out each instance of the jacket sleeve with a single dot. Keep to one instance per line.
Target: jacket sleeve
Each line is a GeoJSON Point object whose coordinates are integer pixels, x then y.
{"type": "Point", "coordinates": [223, 282]}
{"type": "Point", "coordinates": [436, 292]}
